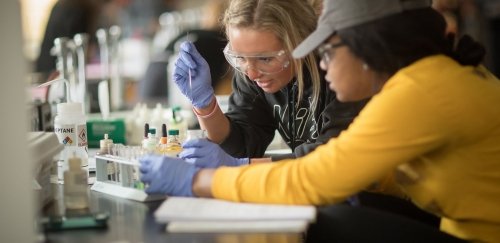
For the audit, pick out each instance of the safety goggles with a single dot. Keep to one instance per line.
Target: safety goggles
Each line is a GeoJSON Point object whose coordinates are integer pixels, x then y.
{"type": "Point", "coordinates": [326, 51]}
{"type": "Point", "coordinates": [266, 63]}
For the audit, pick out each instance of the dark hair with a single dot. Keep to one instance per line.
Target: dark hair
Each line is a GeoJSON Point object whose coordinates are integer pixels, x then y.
{"type": "Point", "coordinates": [394, 42]}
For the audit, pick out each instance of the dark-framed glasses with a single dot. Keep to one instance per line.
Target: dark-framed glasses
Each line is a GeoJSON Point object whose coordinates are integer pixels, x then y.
{"type": "Point", "coordinates": [326, 51]}
{"type": "Point", "coordinates": [264, 63]}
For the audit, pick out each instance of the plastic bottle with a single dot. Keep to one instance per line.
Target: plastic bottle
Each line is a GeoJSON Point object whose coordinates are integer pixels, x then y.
{"type": "Point", "coordinates": [70, 126]}
{"type": "Point", "coordinates": [105, 145]}
{"type": "Point", "coordinates": [149, 144]}
{"type": "Point", "coordinates": [173, 144]}
{"type": "Point", "coordinates": [155, 139]}
{"type": "Point", "coordinates": [133, 134]}
{"type": "Point", "coordinates": [141, 116]}
{"type": "Point", "coordinates": [75, 185]}
{"type": "Point", "coordinates": [178, 122]}
{"type": "Point", "coordinates": [157, 117]}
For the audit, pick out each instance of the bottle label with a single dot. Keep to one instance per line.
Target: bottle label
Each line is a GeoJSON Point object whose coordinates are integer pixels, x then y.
{"type": "Point", "coordinates": [71, 135]}
{"type": "Point", "coordinates": [74, 139]}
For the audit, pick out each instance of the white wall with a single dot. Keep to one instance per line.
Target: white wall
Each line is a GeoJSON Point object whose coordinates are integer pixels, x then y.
{"type": "Point", "coordinates": [16, 200]}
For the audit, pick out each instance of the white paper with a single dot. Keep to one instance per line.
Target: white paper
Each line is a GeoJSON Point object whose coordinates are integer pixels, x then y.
{"type": "Point", "coordinates": [201, 209]}
{"type": "Point", "coordinates": [237, 226]}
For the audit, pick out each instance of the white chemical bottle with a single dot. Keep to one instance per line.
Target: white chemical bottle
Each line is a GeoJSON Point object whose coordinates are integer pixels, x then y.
{"type": "Point", "coordinates": [75, 185]}
{"type": "Point", "coordinates": [70, 126]}
{"type": "Point", "coordinates": [179, 123]}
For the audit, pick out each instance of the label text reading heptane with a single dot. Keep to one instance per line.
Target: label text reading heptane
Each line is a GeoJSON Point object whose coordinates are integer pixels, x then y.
{"type": "Point", "coordinates": [64, 130]}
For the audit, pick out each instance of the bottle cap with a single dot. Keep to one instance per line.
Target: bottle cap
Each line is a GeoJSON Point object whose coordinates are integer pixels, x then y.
{"type": "Point", "coordinates": [107, 139]}
{"type": "Point", "coordinates": [152, 131]}
{"type": "Point", "coordinates": [173, 132]}
{"type": "Point", "coordinates": [75, 163]}
{"type": "Point", "coordinates": [146, 130]}
{"type": "Point", "coordinates": [163, 130]}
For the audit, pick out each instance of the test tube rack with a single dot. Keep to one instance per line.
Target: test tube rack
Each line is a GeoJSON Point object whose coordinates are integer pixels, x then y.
{"type": "Point", "coordinates": [124, 183]}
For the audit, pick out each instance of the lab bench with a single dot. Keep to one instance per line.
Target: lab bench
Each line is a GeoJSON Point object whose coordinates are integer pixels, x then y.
{"type": "Point", "coordinates": [132, 221]}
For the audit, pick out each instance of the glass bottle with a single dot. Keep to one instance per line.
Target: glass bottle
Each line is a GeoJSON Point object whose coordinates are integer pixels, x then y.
{"type": "Point", "coordinates": [173, 144]}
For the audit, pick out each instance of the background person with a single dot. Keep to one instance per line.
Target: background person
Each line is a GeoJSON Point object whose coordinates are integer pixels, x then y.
{"type": "Point", "coordinates": [209, 40]}
{"type": "Point", "coordinates": [67, 18]}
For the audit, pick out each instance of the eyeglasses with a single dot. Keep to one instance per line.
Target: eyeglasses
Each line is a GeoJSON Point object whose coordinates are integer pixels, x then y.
{"type": "Point", "coordinates": [326, 51]}
{"type": "Point", "coordinates": [267, 63]}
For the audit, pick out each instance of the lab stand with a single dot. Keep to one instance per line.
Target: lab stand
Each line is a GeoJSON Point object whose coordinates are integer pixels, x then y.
{"type": "Point", "coordinates": [119, 176]}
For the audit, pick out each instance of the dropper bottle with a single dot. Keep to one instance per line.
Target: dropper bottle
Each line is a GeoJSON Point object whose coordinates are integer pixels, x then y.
{"type": "Point", "coordinates": [149, 144]}
{"type": "Point", "coordinates": [162, 146]}
{"type": "Point", "coordinates": [145, 138]}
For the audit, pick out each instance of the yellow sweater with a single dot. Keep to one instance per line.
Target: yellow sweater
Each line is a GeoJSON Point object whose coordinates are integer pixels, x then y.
{"type": "Point", "coordinates": [435, 125]}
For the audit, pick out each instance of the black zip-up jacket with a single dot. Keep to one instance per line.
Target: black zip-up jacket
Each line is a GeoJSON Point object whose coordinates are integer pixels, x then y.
{"type": "Point", "coordinates": [255, 115]}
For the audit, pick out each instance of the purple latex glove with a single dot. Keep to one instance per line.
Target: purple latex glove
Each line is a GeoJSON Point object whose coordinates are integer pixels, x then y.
{"type": "Point", "coordinates": [199, 90]}
{"type": "Point", "coordinates": [206, 154]}
{"type": "Point", "coordinates": [167, 175]}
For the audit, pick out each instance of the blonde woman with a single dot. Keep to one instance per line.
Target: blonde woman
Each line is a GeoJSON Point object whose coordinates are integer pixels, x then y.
{"type": "Point", "coordinates": [271, 90]}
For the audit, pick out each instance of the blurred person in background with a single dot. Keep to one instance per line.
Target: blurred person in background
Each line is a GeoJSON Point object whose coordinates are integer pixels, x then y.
{"type": "Point", "coordinates": [209, 39]}
{"type": "Point", "coordinates": [477, 18]}
{"type": "Point", "coordinates": [67, 18]}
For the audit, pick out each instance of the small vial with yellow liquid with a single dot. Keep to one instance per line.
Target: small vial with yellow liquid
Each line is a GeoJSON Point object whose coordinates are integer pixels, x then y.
{"type": "Point", "coordinates": [173, 147]}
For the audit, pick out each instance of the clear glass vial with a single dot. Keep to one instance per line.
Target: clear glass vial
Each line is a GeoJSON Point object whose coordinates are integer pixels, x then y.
{"type": "Point", "coordinates": [174, 146]}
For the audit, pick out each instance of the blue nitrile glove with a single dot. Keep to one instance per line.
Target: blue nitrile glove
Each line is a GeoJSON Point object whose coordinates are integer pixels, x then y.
{"type": "Point", "coordinates": [206, 154]}
{"type": "Point", "coordinates": [201, 92]}
{"type": "Point", "coordinates": [167, 175]}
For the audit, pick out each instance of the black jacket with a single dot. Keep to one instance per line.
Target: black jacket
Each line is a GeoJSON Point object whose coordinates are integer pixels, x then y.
{"type": "Point", "coordinates": [255, 115]}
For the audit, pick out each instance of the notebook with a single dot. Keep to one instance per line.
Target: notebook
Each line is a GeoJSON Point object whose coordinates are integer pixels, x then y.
{"type": "Point", "coordinates": [213, 215]}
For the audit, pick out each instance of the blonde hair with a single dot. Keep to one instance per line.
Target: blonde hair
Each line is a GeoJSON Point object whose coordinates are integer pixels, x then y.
{"type": "Point", "coordinates": [317, 6]}
{"type": "Point", "coordinates": [291, 21]}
